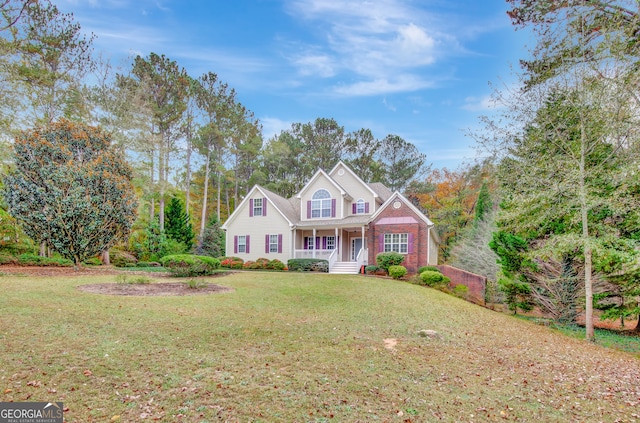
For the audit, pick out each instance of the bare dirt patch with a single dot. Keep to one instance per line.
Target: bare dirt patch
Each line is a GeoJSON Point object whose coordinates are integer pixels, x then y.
{"type": "Point", "coordinates": [173, 288]}
{"type": "Point", "coordinates": [56, 271]}
{"type": "Point", "coordinates": [152, 289]}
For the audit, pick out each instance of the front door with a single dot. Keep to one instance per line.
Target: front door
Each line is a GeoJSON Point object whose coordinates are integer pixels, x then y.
{"type": "Point", "coordinates": [356, 245]}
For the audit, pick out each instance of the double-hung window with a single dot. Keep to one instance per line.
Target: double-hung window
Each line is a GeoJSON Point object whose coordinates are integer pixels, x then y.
{"type": "Point", "coordinates": [273, 243]}
{"type": "Point", "coordinates": [321, 204]}
{"type": "Point", "coordinates": [396, 242]}
{"type": "Point", "coordinates": [360, 209]}
{"type": "Point", "coordinates": [257, 206]}
{"type": "Point", "coordinates": [242, 243]}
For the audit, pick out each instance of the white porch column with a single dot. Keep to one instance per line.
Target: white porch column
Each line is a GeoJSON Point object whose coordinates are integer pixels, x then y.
{"type": "Point", "coordinates": [292, 253]}
{"type": "Point", "coordinates": [314, 243]}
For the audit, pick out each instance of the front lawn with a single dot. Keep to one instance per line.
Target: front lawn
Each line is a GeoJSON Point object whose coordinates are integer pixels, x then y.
{"type": "Point", "coordinates": [295, 347]}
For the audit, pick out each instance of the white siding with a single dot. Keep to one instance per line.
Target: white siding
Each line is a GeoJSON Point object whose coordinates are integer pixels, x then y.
{"type": "Point", "coordinates": [257, 227]}
{"type": "Point", "coordinates": [355, 189]}
{"type": "Point", "coordinates": [320, 183]}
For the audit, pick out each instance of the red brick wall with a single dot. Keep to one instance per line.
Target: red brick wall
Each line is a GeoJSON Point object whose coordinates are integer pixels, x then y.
{"type": "Point", "coordinates": [476, 283]}
{"type": "Point", "coordinates": [418, 230]}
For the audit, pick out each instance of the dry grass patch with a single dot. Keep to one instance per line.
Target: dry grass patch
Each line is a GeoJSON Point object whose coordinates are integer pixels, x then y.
{"type": "Point", "coordinates": [298, 347]}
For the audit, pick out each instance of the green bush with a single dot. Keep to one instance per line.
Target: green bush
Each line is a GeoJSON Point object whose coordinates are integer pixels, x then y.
{"type": "Point", "coordinates": [384, 260]}
{"type": "Point", "coordinates": [182, 265]}
{"type": "Point", "coordinates": [429, 268]}
{"type": "Point", "coordinates": [122, 259]}
{"type": "Point", "coordinates": [308, 265]}
{"type": "Point", "coordinates": [29, 259]}
{"type": "Point", "coordinates": [93, 261]}
{"type": "Point", "coordinates": [7, 259]}
{"type": "Point", "coordinates": [275, 264]}
{"type": "Point", "coordinates": [372, 268]}
{"type": "Point", "coordinates": [461, 291]}
{"type": "Point", "coordinates": [396, 272]}
{"type": "Point", "coordinates": [434, 279]}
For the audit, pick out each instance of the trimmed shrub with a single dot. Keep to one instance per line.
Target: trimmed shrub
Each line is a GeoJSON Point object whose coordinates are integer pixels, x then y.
{"type": "Point", "coordinates": [370, 269]}
{"type": "Point", "coordinates": [396, 272]}
{"type": "Point", "coordinates": [182, 265]}
{"type": "Point", "coordinates": [231, 262]}
{"type": "Point", "coordinates": [308, 265]}
{"type": "Point", "coordinates": [29, 259]}
{"type": "Point", "coordinates": [434, 279]}
{"type": "Point", "coordinates": [275, 264]}
{"type": "Point", "coordinates": [384, 260]}
{"type": "Point", "coordinates": [122, 259]}
{"type": "Point", "coordinates": [429, 268]}
{"type": "Point", "coordinates": [262, 262]}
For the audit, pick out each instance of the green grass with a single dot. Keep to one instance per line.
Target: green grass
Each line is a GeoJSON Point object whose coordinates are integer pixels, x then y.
{"type": "Point", "coordinates": [296, 347]}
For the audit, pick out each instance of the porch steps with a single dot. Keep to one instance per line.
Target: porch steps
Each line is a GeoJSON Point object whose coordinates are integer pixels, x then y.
{"type": "Point", "coordinates": [345, 267]}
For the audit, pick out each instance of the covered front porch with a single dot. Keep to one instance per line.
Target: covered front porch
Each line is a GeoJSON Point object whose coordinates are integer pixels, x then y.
{"type": "Point", "coordinates": [344, 247]}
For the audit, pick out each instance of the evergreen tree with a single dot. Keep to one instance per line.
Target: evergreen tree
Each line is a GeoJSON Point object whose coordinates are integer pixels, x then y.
{"type": "Point", "coordinates": [71, 189]}
{"type": "Point", "coordinates": [212, 241]}
{"type": "Point", "coordinates": [177, 223]}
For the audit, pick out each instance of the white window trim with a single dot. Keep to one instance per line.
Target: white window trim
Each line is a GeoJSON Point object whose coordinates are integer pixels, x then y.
{"type": "Point", "coordinates": [273, 245]}
{"type": "Point", "coordinates": [397, 243]}
{"type": "Point", "coordinates": [257, 210]}
{"type": "Point", "coordinates": [242, 243]}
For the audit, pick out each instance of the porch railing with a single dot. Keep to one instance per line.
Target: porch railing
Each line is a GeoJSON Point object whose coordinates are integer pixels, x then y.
{"type": "Point", "coordinates": [333, 258]}
{"type": "Point", "coordinates": [321, 254]}
{"type": "Point", "coordinates": [362, 258]}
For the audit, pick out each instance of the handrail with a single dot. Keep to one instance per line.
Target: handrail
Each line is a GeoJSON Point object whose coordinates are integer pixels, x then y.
{"type": "Point", "coordinates": [333, 258]}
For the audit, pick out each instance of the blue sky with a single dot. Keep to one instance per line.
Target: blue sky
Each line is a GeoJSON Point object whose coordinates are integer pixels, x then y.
{"type": "Point", "coordinates": [417, 69]}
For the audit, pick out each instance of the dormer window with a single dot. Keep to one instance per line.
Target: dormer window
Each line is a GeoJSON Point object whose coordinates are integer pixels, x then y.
{"type": "Point", "coordinates": [321, 204]}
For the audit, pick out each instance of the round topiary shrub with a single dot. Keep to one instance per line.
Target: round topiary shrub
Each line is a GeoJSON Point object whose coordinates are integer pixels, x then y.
{"type": "Point", "coordinates": [434, 279]}
{"type": "Point", "coordinates": [429, 268]}
{"type": "Point", "coordinates": [397, 271]}
{"type": "Point", "coordinates": [187, 265]}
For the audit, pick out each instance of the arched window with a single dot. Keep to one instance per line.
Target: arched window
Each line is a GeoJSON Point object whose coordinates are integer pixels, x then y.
{"type": "Point", "coordinates": [321, 204]}
{"type": "Point", "coordinates": [360, 206]}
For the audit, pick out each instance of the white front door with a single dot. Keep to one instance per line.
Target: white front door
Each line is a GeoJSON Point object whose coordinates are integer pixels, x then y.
{"type": "Point", "coordinates": [356, 245]}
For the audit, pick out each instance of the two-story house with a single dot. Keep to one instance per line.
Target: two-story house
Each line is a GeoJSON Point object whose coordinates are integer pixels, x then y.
{"type": "Point", "coordinates": [336, 216]}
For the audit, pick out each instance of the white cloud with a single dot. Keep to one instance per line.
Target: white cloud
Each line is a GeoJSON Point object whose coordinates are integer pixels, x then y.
{"type": "Point", "coordinates": [381, 86]}
{"type": "Point", "coordinates": [381, 45]}
{"type": "Point", "coordinates": [273, 126]}
{"type": "Point", "coordinates": [315, 65]}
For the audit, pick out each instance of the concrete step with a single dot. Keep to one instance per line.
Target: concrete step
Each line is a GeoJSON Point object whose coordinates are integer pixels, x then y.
{"type": "Point", "coordinates": [345, 268]}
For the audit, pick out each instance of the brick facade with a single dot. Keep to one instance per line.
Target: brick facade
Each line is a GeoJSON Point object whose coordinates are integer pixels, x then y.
{"type": "Point", "coordinates": [418, 232]}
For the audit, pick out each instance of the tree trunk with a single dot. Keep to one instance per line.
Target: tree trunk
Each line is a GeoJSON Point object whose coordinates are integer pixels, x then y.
{"type": "Point", "coordinates": [43, 249]}
{"type": "Point", "coordinates": [219, 199]}
{"type": "Point", "coordinates": [188, 182]}
{"type": "Point", "coordinates": [106, 259]}
{"type": "Point", "coordinates": [586, 242]}
{"type": "Point", "coordinates": [204, 197]}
